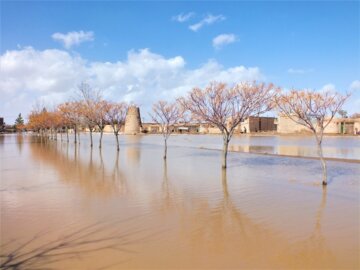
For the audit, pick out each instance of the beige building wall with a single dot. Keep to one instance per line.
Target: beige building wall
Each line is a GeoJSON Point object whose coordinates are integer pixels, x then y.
{"type": "Point", "coordinates": [244, 126]}
{"type": "Point", "coordinates": [357, 126]}
{"type": "Point", "coordinates": [208, 129]}
{"type": "Point", "coordinates": [286, 125]}
{"type": "Point", "coordinates": [332, 128]}
{"type": "Point", "coordinates": [336, 126]}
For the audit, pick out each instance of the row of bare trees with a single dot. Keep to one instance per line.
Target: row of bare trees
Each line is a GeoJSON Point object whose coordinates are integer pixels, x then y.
{"type": "Point", "coordinates": [89, 110]}
{"type": "Point", "coordinates": [225, 107]}
{"type": "Point", "coordinates": [218, 104]}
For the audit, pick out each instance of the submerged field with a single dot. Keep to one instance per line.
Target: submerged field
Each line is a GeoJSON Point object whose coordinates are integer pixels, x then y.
{"type": "Point", "coordinates": [70, 207]}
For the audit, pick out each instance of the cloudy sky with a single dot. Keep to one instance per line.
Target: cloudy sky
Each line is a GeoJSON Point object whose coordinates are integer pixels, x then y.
{"type": "Point", "coordinates": [141, 52]}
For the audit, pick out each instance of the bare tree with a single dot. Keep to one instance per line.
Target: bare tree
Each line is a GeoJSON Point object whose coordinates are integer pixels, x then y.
{"type": "Point", "coordinates": [101, 111]}
{"type": "Point", "coordinates": [115, 115]}
{"type": "Point", "coordinates": [226, 107]}
{"type": "Point", "coordinates": [314, 110]}
{"type": "Point", "coordinates": [166, 115]}
{"type": "Point", "coordinates": [90, 99]}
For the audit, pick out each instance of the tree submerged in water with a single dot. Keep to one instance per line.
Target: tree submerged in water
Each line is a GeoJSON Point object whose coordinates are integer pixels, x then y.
{"type": "Point", "coordinates": [313, 110]}
{"type": "Point", "coordinates": [226, 107]}
{"type": "Point", "coordinates": [166, 115]}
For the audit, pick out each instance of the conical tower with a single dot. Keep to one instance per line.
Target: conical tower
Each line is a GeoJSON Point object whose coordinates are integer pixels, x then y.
{"type": "Point", "coordinates": [132, 121]}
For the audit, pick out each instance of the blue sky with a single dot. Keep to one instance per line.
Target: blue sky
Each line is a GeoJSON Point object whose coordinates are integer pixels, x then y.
{"type": "Point", "coordinates": [292, 44]}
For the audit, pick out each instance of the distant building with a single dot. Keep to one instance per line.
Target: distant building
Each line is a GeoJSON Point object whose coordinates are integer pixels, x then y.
{"type": "Point", "coordinates": [151, 128]}
{"type": "Point", "coordinates": [186, 128]}
{"type": "Point", "coordinates": [286, 126]}
{"type": "Point", "coordinates": [344, 126]}
{"type": "Point", "coordinates": [257, 124]}
{"type": "Point", "coordinates": [181, 128]}
{"type": "Point", "coordinates": [206, 128]}
{"type": "Point", "coordinates": [133, 121]}
{"type": "Point", "coordinates": [250, 125]}
{"type": "Point", "coordinates": [337, 126]}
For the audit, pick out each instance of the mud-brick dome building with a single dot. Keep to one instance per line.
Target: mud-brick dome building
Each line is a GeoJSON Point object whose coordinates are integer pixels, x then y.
{"type": "Point", "coordinates": [132, 121]}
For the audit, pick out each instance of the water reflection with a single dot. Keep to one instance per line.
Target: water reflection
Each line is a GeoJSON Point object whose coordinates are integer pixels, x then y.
{"type": "Point", "coordinates": [20, 141]}
{"type": "Point", "coordinates": [91, 177]}
{"type": "Point", "coordinates": [313, 251]}
{"type": "Point", "coordinates": [249, 216]}
{"type": "Point", "coordinates": [297, 151]}
{"type": "Point", "coordinates": [133, 149]}
{"type": "Point", "coordinates": [44, 249]}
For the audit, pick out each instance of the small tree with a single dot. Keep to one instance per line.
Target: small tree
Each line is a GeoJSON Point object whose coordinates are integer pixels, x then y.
{"type": "Point", "coordinates": [166, 115]}
{"type": "Point", "coordinates": [314, 110]}
{"type": "Point", "coordinates": [115, 115]}
{"type": "Point", "coordinates": [19, 123]}
{"type": "Point", "coordinates": [343, 113]}
{"type": "Point", "coordinates": [89, 100]}
{"type": "Point", "coordinates": [100, 110]}
{"type": "Point", "coordinates": [226, 107]}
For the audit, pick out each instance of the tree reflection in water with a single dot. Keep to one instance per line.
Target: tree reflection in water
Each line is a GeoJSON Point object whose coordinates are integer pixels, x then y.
{"type": "Point", "coordinates": [73, 168]}
{"type": "Point", "coordinates": [312, 251]}
{"type": "Point", "coordinates": [100, 236]}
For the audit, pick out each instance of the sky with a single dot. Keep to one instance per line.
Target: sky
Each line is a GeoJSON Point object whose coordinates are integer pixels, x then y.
{"type": "Point", "coordinates": [144, 51]}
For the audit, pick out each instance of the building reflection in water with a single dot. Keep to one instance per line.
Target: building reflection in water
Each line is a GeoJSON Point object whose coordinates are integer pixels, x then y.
{"type": "Point", "coordinates": [133, 149]}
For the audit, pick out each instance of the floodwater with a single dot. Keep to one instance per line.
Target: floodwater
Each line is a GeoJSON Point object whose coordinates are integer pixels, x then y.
{"type": "Point", "coordinates": [70, 207]}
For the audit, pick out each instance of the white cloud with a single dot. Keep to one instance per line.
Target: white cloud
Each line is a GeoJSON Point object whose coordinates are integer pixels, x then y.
{"type": "Point", "coordinates": [73, 38]}
{"type": "Point", "coordinates": [223, 39]}
{"type": "Point", "coordinates": [183, 17]}
{"type": "Point", "coordinates": [144, 77]}
{"type": "Point", "coordinates": [355, 85]}
{"type": "Point", "coordinates": [299, 70]}
{"type": "Point", "coordinates": [208, 20]}
{"type": "Point", "coordinates": [328, 88]}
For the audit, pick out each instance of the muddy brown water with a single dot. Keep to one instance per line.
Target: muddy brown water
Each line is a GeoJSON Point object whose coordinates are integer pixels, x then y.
{"type": "Point", "coordinates": [70, 207]}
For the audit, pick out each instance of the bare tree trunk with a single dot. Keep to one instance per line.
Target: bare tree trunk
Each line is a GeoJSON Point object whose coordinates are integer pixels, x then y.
{"type": "Point", "coordinates": [67, 134]}
{"type": "Point", "coordinates": [101, 134]}
{"type": "Point", "coordinates": [75, 132]}
{"type": "Point", "coordinates": [224, 183]}
{"type": "Point", "coordinates": [91, 137]}
{"type": "Point", "coordinates": [323, 163]}
{"type": "Point", "coordinates": [165, 148]}
{"type": "Point", "coordinates": [225, 151]}
{"type": "Point", "coordinates": [61, 135]}
{"type": "Point", "coordinates": [117, 141]}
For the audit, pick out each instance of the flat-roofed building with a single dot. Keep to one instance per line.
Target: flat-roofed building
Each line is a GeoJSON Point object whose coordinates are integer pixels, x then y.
{"type": "Point", "coordinates": [349, 126]}
{"type": "Point", "coordinates": [257, 124]}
